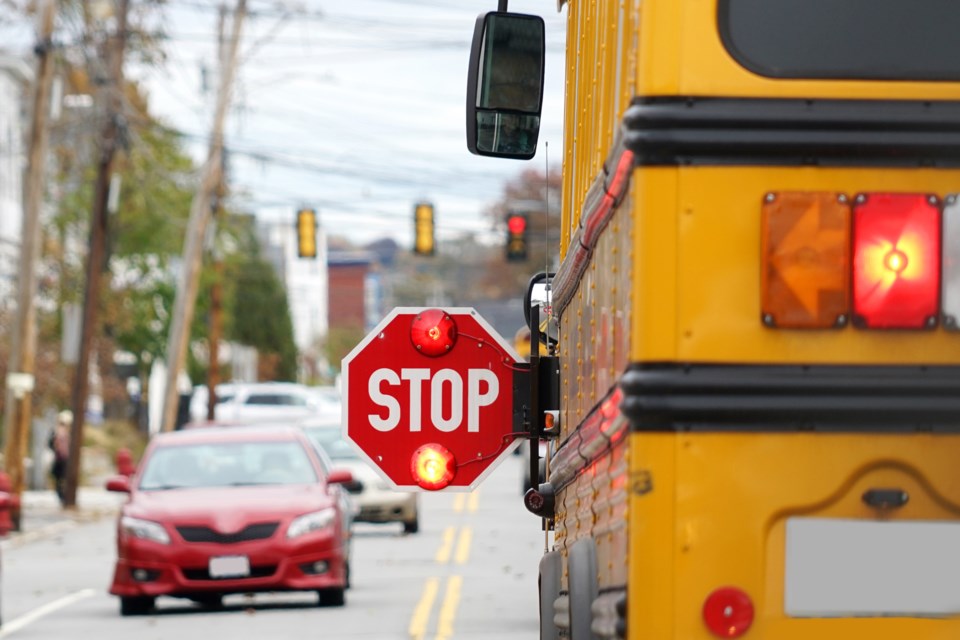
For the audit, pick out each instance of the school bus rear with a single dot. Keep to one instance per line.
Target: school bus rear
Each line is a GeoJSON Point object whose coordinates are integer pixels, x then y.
{"type": "Point", "coordinates": [759, 356]}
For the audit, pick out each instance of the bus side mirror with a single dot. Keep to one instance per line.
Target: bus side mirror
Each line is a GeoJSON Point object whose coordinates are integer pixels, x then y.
{"type": "Point", "coordinates": [505, 85]}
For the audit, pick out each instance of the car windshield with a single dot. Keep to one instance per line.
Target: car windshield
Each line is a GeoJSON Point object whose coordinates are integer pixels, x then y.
{"type": "Point", "coordinates": [331, 440]}
{"type": "Point", "coordinates": [227, 464]}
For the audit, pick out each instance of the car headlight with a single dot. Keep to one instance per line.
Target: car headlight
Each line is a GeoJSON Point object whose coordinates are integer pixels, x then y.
{"type": "Point", "coordinates": [311, 522]}
{"type": "Point", "coordinates": [144, 529]}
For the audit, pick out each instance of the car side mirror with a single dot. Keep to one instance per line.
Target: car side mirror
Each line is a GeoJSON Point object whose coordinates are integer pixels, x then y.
{"type": "Point", "coordinates": [538, 301]}
{"type": "Point", "coordinates": [340, 476]}
{"type": "Point", "coordinates": [118, 484]}
{"type": "Point", "coordinates": [505, 85]}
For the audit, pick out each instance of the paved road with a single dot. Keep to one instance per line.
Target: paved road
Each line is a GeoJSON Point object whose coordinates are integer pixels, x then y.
{"type": "Point", "coordinates": [470, 573]}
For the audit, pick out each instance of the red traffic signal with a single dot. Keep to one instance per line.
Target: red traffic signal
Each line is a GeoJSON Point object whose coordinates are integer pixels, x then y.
{"type": "Point", "coordinates": [517, 237]}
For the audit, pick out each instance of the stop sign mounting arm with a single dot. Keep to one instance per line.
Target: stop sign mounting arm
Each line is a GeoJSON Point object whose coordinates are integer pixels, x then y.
{"type": "Point", "coordinates": [542, 398]}
{"type": "Point", "coordinates": [429, 390]}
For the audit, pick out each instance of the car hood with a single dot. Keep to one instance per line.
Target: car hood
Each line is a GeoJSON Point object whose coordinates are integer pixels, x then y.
{"type": "Point", "coordinates": [227, 508]}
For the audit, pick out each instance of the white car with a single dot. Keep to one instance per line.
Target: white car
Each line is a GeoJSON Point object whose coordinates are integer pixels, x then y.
{"type": "Point", "coordinates": [266, 401]}
{"type": "Point", "coordinates": [375, 499]}
{"type": "Point", "coordinates": [326, 400]}
{"type": "Point", "coordinates": [201, 398]}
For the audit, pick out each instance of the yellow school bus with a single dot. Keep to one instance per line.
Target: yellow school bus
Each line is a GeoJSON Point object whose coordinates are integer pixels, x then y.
{"type": "Point", "coordinates": [758, 346]}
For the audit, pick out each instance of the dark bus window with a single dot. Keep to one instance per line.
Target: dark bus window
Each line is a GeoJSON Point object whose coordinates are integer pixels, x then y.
{"type": "Point", "coordinates": [844, 39]}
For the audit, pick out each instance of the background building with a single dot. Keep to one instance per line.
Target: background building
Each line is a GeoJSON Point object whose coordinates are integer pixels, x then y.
{"type": "Point", "coordinates": [15, 77]}
{"type": "Point", "coordinates": [305, 280]}
{"type": "Point", "coordinates": [349, 301]}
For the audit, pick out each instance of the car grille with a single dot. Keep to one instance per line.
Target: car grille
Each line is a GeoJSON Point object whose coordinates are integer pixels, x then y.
{"type": "Point", "coordinates": [259, 531]}
{"type": "Point", "coordinates": [257, 571]}
{"type": "Point", "coordinates": [379, 514]}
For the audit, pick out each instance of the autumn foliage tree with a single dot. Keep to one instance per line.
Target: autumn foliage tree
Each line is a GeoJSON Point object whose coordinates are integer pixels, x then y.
{"type": "Point", "coordinates": [538, 196]}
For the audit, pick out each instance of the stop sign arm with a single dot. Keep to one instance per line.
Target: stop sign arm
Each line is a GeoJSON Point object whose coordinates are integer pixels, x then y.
{"type": "Point", "coordinates": [543, 397]}
{"type": "Point", "coordinates": [436, 378]}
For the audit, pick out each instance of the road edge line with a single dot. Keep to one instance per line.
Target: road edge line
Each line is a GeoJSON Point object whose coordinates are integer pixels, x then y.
{"type": "Point", "coordinates": [32, 616]}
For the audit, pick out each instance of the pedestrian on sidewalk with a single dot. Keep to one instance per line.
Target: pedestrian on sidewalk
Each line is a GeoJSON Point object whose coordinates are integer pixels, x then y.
{"type": "Point", "coordinates": [60, 445]}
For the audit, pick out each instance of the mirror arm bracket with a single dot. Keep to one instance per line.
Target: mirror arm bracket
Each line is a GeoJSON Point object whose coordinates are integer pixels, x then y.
{"type": "Point", "coordinates": [502, 6]}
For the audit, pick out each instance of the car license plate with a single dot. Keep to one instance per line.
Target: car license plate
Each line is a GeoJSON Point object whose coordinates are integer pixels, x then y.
{"type": "Point", "coordinates": [229, 567]}
{"type": "Point", "coordinates": [860, 568]}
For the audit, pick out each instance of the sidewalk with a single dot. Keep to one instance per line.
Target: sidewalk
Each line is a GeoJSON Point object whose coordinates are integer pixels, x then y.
{"type": "Point", "coordinates": [42, 517]}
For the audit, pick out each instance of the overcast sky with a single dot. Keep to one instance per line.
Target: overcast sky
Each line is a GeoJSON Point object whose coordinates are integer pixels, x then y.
{"type": "Point", "coordinates": [354, 108]}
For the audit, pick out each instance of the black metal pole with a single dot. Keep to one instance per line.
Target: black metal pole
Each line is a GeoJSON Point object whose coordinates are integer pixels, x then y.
{"type": "Point", "coordinates": [534, 411]}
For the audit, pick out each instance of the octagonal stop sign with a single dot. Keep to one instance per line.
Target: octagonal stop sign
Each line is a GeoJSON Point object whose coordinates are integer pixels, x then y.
{"type": "Point", "coordinates": [428, 398]}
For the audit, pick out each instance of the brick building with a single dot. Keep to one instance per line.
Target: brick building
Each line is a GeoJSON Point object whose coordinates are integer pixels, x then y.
{"type": "Point", "coordinates": [348, 276]}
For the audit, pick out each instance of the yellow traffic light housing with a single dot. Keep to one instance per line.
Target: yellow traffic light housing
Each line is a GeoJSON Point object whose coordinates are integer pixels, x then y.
{"type": "Point", "coordinates": [307, 233]}
{"type": "Point", "coordinates": [423, 230]}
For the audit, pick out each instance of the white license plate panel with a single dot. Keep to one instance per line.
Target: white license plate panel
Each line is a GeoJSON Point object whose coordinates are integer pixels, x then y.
{"type": "Point", "coordinates": [857, 568]}
{"type": "Point", "coordinates": [229, 567]}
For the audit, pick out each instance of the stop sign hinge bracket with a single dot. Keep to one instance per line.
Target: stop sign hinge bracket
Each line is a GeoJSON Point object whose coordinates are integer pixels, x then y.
{"type": "Point", "coordinates": [521, 400]}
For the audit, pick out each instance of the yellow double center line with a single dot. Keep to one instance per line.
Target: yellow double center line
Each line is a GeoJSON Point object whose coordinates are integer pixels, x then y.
{"type": "Point", "coordinates": [462, 547]}
{"type": "Point", "coordinates": [457, 548]}
{"type": "Point", "coordinates": [466, 502]}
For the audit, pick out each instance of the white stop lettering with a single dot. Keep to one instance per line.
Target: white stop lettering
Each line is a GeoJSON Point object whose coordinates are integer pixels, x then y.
{"type": "Point", "coordinates": [483, 388]}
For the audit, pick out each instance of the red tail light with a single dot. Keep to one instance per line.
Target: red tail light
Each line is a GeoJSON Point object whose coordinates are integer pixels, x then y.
{"type": "Point", "coordinates": [433, 332]}
{"type": "Point", "coordinates": [728, 612]}
{"type": "Point", "coordinates": [432, 466]}
{"type": "Point", "coordinates": [896, 260]}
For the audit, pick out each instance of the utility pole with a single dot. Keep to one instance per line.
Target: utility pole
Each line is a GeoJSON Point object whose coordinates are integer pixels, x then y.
{"type": "Point", "coordinates": [18, 408]}
{"type": "Point", "coordinates": [216, 306]}
{"type": "Point", "coordinates": [186, 298]}
{"type": "Point", "coordinates": [99, 219]}
{"type": "Point", "coordinates": [216, 326]}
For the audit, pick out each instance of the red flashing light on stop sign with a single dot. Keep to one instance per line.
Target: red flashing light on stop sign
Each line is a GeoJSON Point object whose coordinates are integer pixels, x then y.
{"type": "Point", "coordinates": [433, 332]}
{"type": "Point", "coordinates": [896, 263]}
{"type": "Point", "coordinates": [433, 466]}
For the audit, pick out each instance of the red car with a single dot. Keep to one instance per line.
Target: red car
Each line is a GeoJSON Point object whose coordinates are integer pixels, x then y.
{"type": "Point", "coordinates": [230, 510]}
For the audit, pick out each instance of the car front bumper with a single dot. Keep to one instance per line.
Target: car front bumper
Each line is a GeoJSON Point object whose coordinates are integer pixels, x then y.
{"type": "Point", "coordinates": [386, 506]}
{"type": "Point", "coordinates": [146, 568]}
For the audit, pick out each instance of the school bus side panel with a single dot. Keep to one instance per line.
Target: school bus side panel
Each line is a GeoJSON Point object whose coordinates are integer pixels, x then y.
{"type": "Point", "coordinates": [601, 79]}
{"type": "Point", "coordinates": [652, 592]}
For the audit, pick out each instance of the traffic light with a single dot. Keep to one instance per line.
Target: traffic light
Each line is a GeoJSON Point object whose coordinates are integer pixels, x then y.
{"type": "Point", "coordinates": [517, 237]}
{"type": "Point", "coordinates": [307, 233]}
{"type": "Point", "coordinates": [423, 239]}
